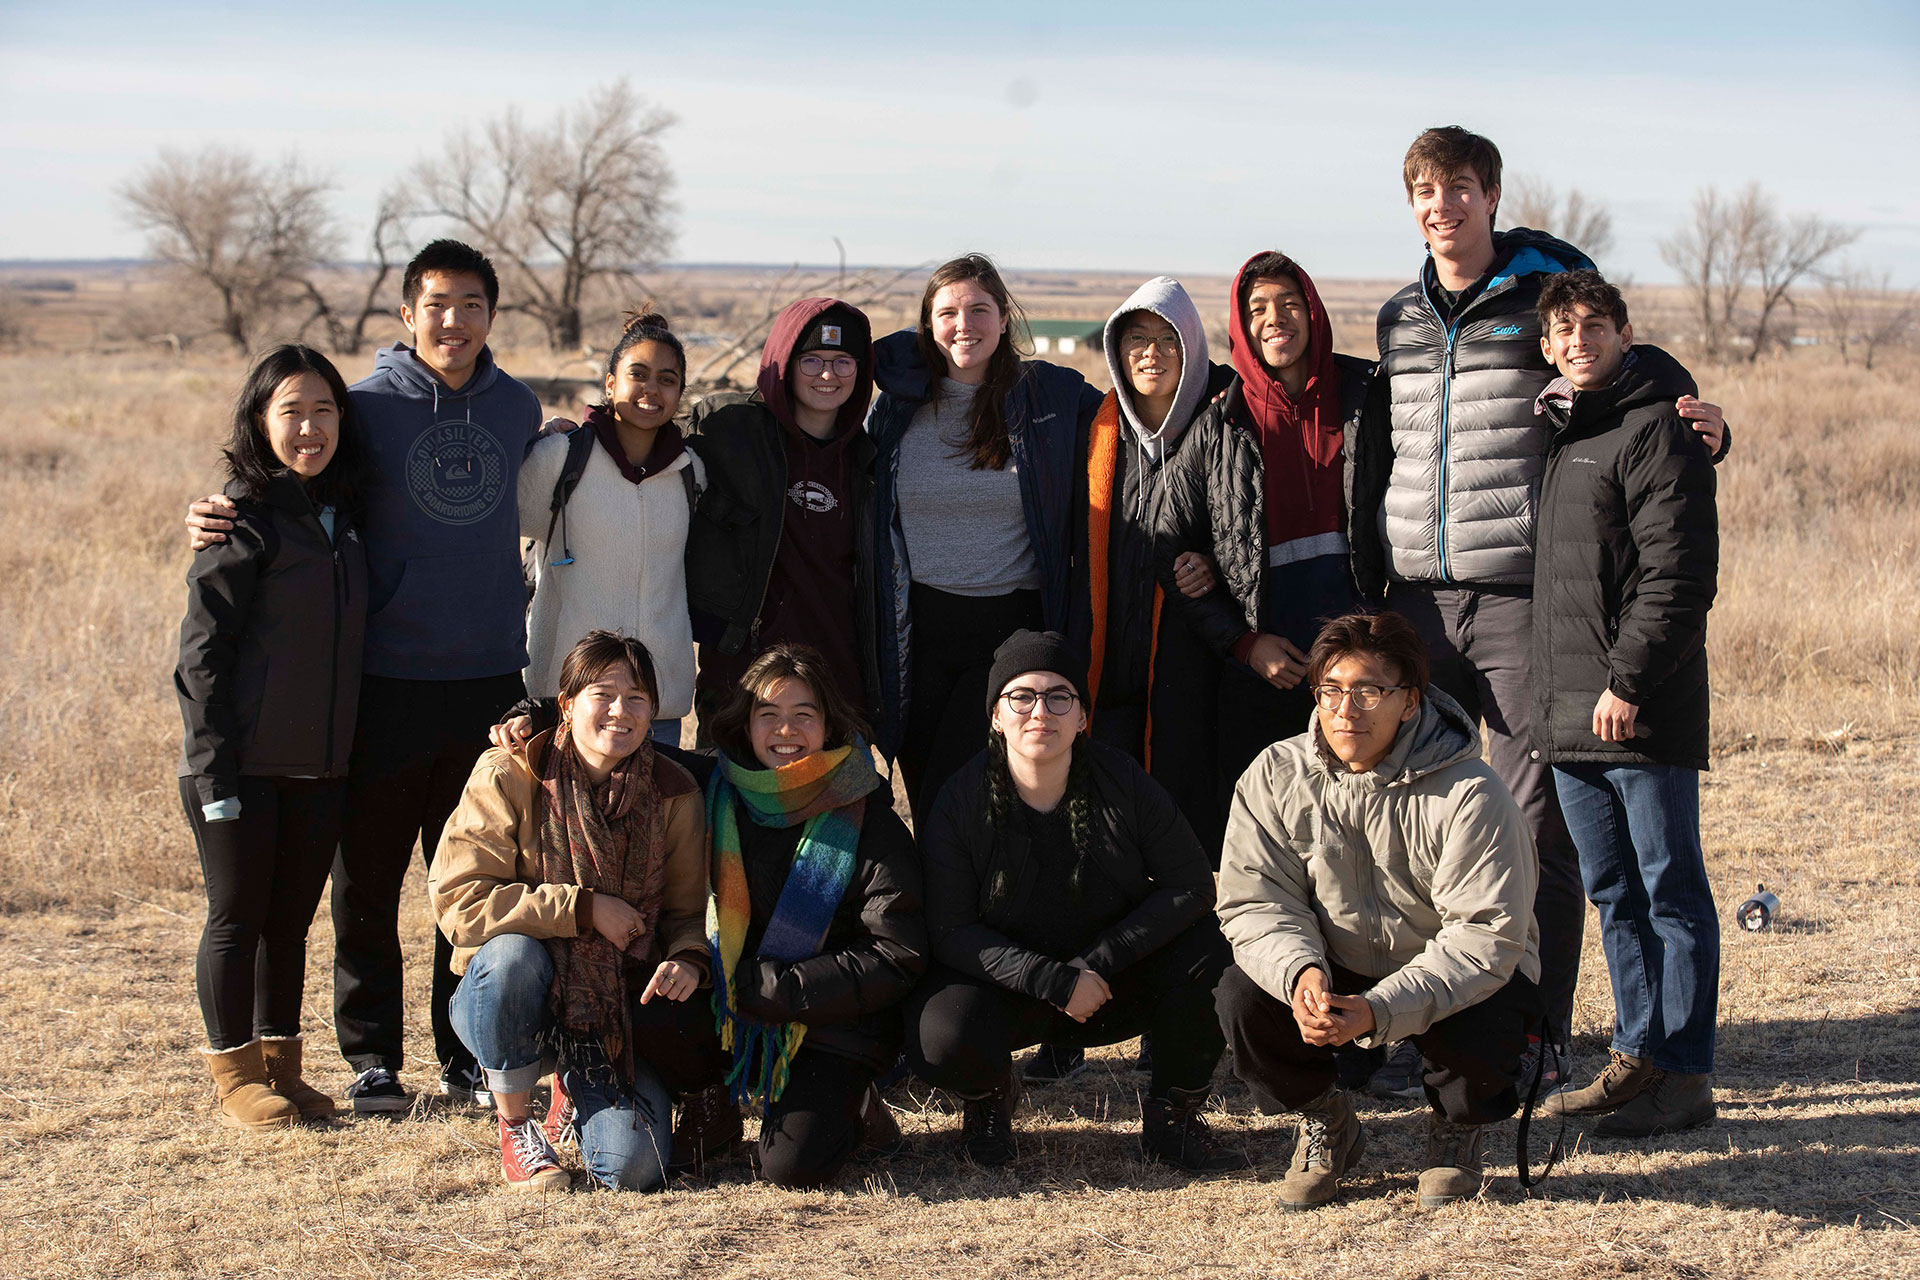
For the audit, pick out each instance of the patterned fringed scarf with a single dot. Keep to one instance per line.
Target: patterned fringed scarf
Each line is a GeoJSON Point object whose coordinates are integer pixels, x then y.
{"type": "Point", "coordinates": [826, 791]}
{"type": "Point", "coordinates": [610, 838]}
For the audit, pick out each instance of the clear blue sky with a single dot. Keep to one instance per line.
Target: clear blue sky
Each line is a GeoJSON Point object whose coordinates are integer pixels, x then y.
{"type": "Point", "coordinates": [1166, 137]}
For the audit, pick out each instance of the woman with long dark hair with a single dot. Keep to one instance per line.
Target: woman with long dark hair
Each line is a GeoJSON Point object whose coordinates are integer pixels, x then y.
{"type": "Point", "coordinates": [613, 557]}
{"type": "Point", "coordinates": [974, 492]}
{"type": "Point", "coordinates": [1067, 902]}
{"type": "Point", "coordinates": [572, 883]}
{"type": "Point", "coordinates": [268, 681]}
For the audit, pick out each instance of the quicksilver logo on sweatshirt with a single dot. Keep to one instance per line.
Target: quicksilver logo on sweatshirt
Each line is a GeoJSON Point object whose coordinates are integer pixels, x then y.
{"type": "Point", "coordinates": [457, 473]}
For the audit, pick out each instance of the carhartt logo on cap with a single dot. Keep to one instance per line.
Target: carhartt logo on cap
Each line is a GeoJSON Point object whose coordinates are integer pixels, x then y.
{"type": "Point", "coordinates": [830, 333]}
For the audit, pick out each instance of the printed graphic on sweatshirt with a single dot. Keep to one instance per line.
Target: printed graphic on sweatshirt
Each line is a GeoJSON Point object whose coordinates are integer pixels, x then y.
{"type": "Point", "coordinates": [457, 473]}
{"type": "Point", "coordinates": [811, 495]}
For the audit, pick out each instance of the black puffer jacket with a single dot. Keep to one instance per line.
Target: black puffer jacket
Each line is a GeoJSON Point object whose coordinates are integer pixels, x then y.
{"type": "Point", "coordinates": [1213, 502]}
{"type": "Point", "coordinates": [269, 672]}
{"type": "Point", "coordinates": [1626, 570]}
{"type": "Point", "coordinates": [875, 950]}
{"type": "Point", "coordinates": [1146, 850]}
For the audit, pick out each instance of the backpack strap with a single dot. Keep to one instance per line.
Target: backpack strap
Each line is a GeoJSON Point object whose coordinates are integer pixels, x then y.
{"type": "Point", "coordinates": [579, 447]}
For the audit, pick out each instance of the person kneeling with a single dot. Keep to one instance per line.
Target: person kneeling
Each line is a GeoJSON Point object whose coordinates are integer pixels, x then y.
{"type": "Point", "coordinates": [1067, 899]}
{"type": "Point", "coordinates": [815, 927]}
{"type": "Point", "coordinates": [1377, 885]}
{"type": "Point", "coordinates": [571, 881]}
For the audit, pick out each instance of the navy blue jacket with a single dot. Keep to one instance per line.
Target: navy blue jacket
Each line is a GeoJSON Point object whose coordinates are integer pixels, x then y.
{"type": "Point", "coordinates": [1047, 412]}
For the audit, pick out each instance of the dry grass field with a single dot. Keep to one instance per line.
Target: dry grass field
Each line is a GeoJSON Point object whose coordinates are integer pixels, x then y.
{"type": "Point", "coordinates": [112, 1165]}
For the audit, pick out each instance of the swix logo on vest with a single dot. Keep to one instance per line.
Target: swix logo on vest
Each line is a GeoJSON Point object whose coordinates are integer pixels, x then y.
{"type": "Point", "coordinates": [811, 495]}
{"type": "Point", "coordinates": [457, 473]}
{"type": "Point", "coordinates": [1508, 331]}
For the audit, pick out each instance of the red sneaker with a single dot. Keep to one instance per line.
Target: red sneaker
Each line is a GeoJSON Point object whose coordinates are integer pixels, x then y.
{"type": "Point", "coordinates": [561, 1115]}
{"type": "Point", "coordinates": [527, 1160]}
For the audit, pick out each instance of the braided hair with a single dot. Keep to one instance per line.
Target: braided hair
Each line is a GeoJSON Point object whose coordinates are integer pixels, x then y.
{"type": "Point", "coordinates": [1003, 802]}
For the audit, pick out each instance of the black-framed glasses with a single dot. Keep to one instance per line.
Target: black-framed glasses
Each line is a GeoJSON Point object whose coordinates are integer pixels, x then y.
{"type": "Point", "coordinates": [1365, 696]}
{"type": "Point", "coordinates": [814, 366]}
{"type": "Point", "coordinates": [1059, 701]}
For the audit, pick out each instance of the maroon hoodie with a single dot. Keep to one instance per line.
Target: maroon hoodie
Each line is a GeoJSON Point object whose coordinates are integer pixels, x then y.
{"type": "Point", "coordinates": [810, 590]}
{"type": "Point", "coordinates": [1302, 486]}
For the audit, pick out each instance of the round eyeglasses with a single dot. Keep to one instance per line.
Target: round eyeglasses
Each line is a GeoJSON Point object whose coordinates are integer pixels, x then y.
{"type": "Point", "coordinates": [1059, 701]}
{"type": "Point", "coordinates": [1365, 696]}
{"type": "Point", "coordinates": [814, 366]}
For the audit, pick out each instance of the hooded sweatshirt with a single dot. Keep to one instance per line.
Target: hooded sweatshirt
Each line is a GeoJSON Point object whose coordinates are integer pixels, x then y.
{"type": "Point", "coordinates": [442, 524]}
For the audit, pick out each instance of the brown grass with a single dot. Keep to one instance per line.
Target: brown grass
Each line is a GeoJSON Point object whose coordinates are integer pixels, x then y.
{"type": "Point", "coordinates": [116, 1168]}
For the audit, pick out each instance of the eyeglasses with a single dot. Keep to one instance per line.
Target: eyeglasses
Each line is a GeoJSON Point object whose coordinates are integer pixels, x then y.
{"type": "Point", "coordinates": [1365, 696]}
{"type": "Point", "coordinates": [814, 366]}
{"type": "Point", "coordinates": [1059, 701]}
{"type": "Point", "coordinates": [1139, 342]}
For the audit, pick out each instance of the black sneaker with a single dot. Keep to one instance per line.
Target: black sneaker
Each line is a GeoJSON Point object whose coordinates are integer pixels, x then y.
{"type": "Point", "coordinates": [375, 1091]}
{"type": "Point", "coordinates": [1052, 1063]}
{"type": "Point", "coordinates": [465, 1084]}
{"type": "Point", "coordinates": [986, 1127]}
{"type": "Point", "coordinates": [1402, 1078]}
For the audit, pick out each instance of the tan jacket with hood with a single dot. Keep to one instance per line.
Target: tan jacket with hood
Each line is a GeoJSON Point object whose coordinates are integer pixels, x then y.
{"type": "Point", "coordinates": [485, 879]}
{"type": "Point", "coordinates": [1419, 873]}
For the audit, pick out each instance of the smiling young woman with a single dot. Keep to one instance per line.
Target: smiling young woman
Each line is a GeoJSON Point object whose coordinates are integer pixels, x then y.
{"type": "Point", "coordinates": [269, 681]}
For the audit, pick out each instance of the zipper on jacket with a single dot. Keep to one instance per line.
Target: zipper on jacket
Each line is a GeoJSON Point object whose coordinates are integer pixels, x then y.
{"type": "Point", "coordinates": [333, 669]}
{"type": "Point", "coordinates": [1446, 405]}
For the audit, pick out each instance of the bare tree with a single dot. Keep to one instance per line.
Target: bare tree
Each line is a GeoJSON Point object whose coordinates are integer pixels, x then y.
{"type": "Point", "coordinates": [1863, 310]}
{"type": "Point", "coordinates": [1581, 221]}
{"type": "Point", "coordinates": [1739, 261]}
{"type": "Point", "coordinates": [386, 244]}
{"type": "Point", "coordinates": [250, 233]}
{"type": "Point", "coordinates": [862, 289]}
{"type": "Point", "coordinates": [559, 207]}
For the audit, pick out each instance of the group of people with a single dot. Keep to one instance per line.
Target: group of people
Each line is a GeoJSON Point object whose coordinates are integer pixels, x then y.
{"type": "Point", "coordinates": [1185, 683]}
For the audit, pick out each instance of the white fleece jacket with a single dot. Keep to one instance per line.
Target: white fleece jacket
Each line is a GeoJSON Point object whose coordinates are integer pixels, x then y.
{"type": "Point", "coordinates": [629, 574]}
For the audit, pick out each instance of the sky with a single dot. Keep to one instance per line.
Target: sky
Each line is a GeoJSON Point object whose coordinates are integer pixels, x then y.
{"type": "Point", "coordinates": [1170, 137]}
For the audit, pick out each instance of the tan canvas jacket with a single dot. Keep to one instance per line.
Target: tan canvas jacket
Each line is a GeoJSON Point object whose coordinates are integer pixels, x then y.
{"type": "Point", "coordinates": [485, 878]}
{"type": "Point", "coordinates": [1419, 873]}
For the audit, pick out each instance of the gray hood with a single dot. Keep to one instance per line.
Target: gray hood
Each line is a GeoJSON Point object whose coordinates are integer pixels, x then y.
{"type": "Point", "coordinates": [1164, 297]}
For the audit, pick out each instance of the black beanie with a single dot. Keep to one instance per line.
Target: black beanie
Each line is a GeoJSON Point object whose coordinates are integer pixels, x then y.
{"type": "Point", "coordinates": [1025, 651]}
{"type": "Point", "coordinates": [831, 331]}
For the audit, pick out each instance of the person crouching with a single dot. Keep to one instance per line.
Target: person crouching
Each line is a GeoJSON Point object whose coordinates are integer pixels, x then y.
{"type": "Point", "coordinates": [1377, 885]}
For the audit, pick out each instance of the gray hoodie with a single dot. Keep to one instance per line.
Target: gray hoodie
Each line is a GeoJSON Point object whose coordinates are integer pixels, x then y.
{"type": "Point", "coordinates": [1419, 873]}
{"type": "Point", "coordinates": [1164, 297]}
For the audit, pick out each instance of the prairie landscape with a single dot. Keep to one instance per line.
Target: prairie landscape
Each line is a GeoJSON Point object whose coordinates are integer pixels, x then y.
{"type": "Point", "coordinates": [115, 1165]}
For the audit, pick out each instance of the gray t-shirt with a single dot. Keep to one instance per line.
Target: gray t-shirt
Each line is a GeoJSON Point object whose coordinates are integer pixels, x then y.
{"type": "Point", "coordinates": [966, 530]}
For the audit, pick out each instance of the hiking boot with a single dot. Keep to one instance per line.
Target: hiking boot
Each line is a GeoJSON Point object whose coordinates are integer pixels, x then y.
{"type": "Point", "coordinates": [1330, 1142]}
{"type": "Point", "coordinates": [1552, 1060]}
{"type": "Point", "coordinates": [376, 1091]}
{"type": "Point", "coordinates": [560, 1126]}
{"type": "Point", "coordinates": [240, 1085]}
{"type": "Point", "coordinates": [1172, 1130]}
{"type": "Point", "coordinates": [1454, 1167]}
{"type": "Point", "coordinates": [708, 1131]}
{"type": "Point", "coordinates": [1051, 1064]}
{"type": "Point", "coordinates": [1670, 1102]}
{"type": "Point", "coordinates": [1402, 1078]}
{"type": "Point", "coordinates": [880, 1132]}
{"type": "Point", "coordinates": [465, 1084]}
{"type": "Point", "coordinates": [527, 1160]}
{"type": "Point", "coordinates": [1624, 1078]}
{"type": "Point", "coordinates": [281, 1054]}
{"type": "Point", "coordinates": [986, 1124]}
{"type": "Point", "coordinates": [1143, 1064]}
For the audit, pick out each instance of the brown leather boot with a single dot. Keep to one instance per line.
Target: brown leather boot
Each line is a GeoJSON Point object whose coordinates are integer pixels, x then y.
{"type": "Point", "coordinates": [281, 1054]}
{"type": "Point", "coordinates": [247, 1101]}
{"type": "Point", "coordinates": [1331, 1141]}
{"type": "Point", "coordinates": [709, 1129]}
{"type": "Point", "coordinates": [1670, 1103]}
{"type": "Point", "coordinates": [1455, 1167]}
{"type": "Point", "coordinates": [1623, 1079]}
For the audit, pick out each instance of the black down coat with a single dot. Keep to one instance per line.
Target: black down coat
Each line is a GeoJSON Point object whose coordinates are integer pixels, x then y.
{"type": "Point", "coordinates": [1213, 502]}
{"type": "Point", "coordinates": [875, 950]}
{"type": "Point", "coordinates": [1628, 555]}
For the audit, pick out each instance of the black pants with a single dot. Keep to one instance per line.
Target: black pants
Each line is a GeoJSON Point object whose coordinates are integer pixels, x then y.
{"type": "Point", "coordinates": [808, 1133]}
{"type": "Point", "coordinates": [413, 750]}
{"type": "Point", "coordinates": [1481, 646]}
{"type": "Point", "coordinates": [953, 642]}
{"type": "Point", "coordinates": [962, 1031]}
{"type": "Point", "coordinates": [1472, 1059]}
{"type": "Point", "coordinates": [1254, 714]}
{"type": "Point", "coordinates": [264, 872]}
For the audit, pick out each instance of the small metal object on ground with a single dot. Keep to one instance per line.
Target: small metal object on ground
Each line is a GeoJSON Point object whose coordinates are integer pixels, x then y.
{"type": "Point", "coordinates": [1757, 912]}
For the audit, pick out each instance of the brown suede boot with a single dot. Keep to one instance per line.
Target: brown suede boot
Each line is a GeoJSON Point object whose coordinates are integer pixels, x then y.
{"type": "Point", "coordinates": [1330, 1143]}
{"type": "Point", "coordinates": [247, 1101]}
{"type": "Point", "coordinates": [1624, 1078]}
{"type": "Point", "coordinates": [1455, 1168]}
{"type": "Point", "coordinates": [1671, 1103]}
{"type": "Point", "coordinates": [282, 1057]}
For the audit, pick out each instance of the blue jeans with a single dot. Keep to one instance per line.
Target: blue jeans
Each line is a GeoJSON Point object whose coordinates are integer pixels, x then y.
{"type": "Point", "coordinates": [1637, 828]}
{"type": "Point", "coordinates": [499, 1011]}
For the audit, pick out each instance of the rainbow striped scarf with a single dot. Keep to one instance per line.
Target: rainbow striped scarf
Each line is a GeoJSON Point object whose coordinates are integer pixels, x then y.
{"type": "Point", "coordinates": [827, 792]}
